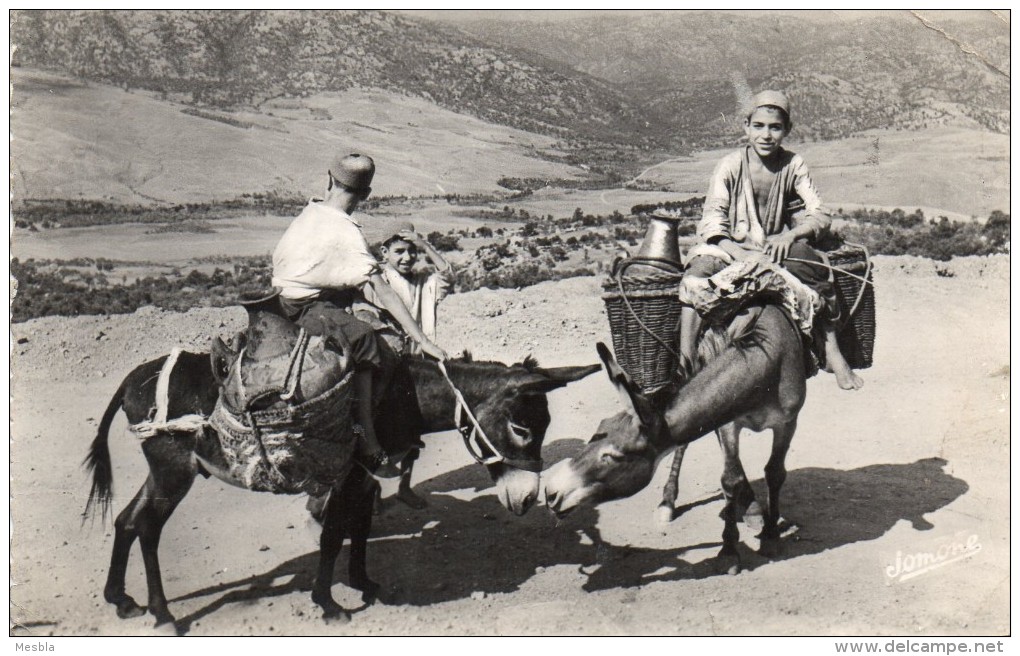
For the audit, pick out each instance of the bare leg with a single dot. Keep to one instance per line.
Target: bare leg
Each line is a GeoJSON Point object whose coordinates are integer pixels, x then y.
{"type": "Point", "coordinates": [845, 376]}
{"type": "Point", "coordinates": [368, 446]}
{"type": "Point", "coordinates": [690, 327]}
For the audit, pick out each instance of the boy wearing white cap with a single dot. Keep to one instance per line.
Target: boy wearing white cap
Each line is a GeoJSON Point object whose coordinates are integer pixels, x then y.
{"type": "Point", "coordinates": [749, 213]}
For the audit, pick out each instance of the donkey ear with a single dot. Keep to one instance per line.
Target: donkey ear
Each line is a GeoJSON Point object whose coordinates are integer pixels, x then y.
{"type": "Point", "coordinates": [633, 399]}
{"type": "Point", "coordinates": [546, 380]}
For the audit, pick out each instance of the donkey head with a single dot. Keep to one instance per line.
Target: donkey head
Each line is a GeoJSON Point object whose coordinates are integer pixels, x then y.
{"type": "Point", "coordinates": [512, 410]}
{"type": "Point", "coordinates": [620, 458]}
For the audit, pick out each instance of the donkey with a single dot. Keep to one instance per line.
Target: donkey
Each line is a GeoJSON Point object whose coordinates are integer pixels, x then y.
{"type": "Point", "coordinates": [509, 403]}
{"type": "Point", "coordinates": [757, 381]}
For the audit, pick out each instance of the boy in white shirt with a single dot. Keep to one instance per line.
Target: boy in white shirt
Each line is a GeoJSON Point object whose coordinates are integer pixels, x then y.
{"type": "Point", "coordinates": [321, 265]}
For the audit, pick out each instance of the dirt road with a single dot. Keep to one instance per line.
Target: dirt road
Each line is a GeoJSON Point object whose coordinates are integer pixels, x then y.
{"type": "Point", "coordinates": [915, 462]}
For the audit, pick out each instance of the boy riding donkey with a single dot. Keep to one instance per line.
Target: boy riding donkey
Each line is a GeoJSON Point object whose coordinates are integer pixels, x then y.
{"type": "Point", "coordinates": [748, 217]}
{"type": "Point", "coordinates": [420, 291]}
{"type": "Point", "coordinates": [321, 266]}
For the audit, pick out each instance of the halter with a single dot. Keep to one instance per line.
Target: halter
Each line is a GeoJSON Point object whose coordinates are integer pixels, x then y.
{"type": "Point", "coordinates": [474, 435]}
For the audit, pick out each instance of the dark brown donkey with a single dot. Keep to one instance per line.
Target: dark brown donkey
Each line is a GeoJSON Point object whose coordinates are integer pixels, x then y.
{"type": "Point", "coordinates": [756, 382]}
{"type": "Point", "coordinates": [508, 401]}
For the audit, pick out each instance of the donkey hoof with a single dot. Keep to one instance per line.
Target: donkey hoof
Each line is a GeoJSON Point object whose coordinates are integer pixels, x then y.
{"type": "Point", "coordinates": [754, 517]}
{"type": "Point", "coordinates": [769, 548]}
{"type": "Point", "coordinates": [728, 563]}
{"type": "Point", "coordinates": [369, 589]}
{"type": "Point", "coordinates": [336, 615]}
{"type": "Point", "coordinates": [663, 514]}
{"type": "Point", "coordinates": [331, 611]}
{"type": "Point", "coordinates": [166, 628]}
{"type": "Point", "coordinates": [127, 608]}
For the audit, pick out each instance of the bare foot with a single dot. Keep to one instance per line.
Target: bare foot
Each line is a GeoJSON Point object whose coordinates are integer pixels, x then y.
{"type": "Point", "coordinates": [847, 379]}
{"type": "Point", "coordinates": [837, 364]}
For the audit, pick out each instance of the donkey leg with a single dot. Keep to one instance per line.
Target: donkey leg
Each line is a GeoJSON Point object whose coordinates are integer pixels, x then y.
{"type": "Point", "coordinates": [664, 513]}
{"type": "Point", "coordinates": [404, 491]}
{"type": "Point", "coordinates": [734, 483]}
{"type": "Point", "coordinates": [124, 537]}
{"type": "Point", "coordinates": [171, 473]}
{"type": "Point", "coordinates": [172, 470]}
{"type": "Point", "coordinates": [358, 501]}
{"type": "Point", "coordinates": [746, 506]}
{"type": "Point", "coordinates": [775, 476]}
{"type": "Point", "coordinates": [334, 530]}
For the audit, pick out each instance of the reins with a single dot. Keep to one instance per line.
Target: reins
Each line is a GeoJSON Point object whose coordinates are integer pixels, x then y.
{"type": "Point", "coordinates": [473, 431]}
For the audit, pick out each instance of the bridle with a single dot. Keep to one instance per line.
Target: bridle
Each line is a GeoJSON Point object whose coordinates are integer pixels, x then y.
{"type": "Point", "coordinates": [475, 437]}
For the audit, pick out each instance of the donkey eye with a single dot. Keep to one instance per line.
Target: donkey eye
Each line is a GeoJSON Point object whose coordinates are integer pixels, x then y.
{"type": "Point", "coordinates": [523, 432]}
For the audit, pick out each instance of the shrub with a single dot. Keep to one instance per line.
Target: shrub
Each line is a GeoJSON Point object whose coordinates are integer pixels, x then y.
{"type": "Point", "coordinates": [444, 243]}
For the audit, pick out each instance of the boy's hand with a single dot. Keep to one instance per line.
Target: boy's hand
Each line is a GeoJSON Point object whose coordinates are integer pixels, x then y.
{"type": "Point", "coordinates": [412, 236]}
{"type": "Point", "coordinates": [778, 246]}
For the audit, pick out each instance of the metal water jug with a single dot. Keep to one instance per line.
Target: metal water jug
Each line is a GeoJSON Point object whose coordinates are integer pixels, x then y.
{"type": "Point", "coordinates": [661, 240]}
{"type": "Point", "coordinates": [643, 305]}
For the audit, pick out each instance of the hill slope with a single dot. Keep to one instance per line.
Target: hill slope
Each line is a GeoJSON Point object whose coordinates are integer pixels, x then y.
{"type": "Point", "coordinates": [97, 141]}
{"type": "Point", "coordinates": [243, 58]}
{"type": "Point", "coordinates": [864, 71]}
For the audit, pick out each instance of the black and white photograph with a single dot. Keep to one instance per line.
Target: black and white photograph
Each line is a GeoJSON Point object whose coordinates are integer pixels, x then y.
{"type": "Point", "coordinates": [517, 322]}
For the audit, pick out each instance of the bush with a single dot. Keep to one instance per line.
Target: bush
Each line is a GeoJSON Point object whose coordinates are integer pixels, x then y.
{"type": "Point", "coordinates": [444, 243]}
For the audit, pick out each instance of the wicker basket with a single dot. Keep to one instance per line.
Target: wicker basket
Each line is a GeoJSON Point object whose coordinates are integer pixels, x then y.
{"type": "Point", "coordinates": [856, 303]}
{"type": "Point", "coordinates": [643, 307]}
{"type": "Point", "coordinates": [290, 449]}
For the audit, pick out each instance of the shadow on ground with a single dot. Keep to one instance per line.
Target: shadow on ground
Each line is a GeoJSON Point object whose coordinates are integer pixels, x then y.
{"type": "Point", "coordinates": [461, 545]}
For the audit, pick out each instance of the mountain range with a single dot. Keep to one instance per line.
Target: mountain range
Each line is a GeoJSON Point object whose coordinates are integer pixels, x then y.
{"type": "Point", "coordinates": [623, 81]}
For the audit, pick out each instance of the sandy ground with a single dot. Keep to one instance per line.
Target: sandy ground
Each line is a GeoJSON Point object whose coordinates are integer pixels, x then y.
{"type": "Point", "coordinates": [917, 460]}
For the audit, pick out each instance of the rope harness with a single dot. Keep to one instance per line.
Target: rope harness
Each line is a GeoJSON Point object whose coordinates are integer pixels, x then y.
{"type": "Point", "coordinates": [474, 435]}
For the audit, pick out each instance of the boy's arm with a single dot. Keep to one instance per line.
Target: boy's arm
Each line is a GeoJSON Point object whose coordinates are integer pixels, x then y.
{"type": "Point", "coordinates": [715, 214]}
{"type": "Point", "coordinates": [442, 280]}
{"type": "Point", "coordinates": [392, 304]}
{"type": "Point", "coordinates": [816, 219]}
{"type": "Point", "coordinates": [431, 253]}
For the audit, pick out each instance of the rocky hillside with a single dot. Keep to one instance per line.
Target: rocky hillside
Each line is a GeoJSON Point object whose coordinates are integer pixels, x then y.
{"type": "Point", "coordinates": [898, 69]}
{"type": "Point", "coordinates": [244, 58]}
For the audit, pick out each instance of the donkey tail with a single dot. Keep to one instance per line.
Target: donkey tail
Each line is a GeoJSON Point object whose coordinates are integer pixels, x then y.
{"type": "Point", "coordinates": [98, 460]}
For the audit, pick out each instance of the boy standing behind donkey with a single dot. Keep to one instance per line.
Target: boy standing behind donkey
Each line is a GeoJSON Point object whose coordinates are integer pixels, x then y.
{"type": "Point", "coordinates": [748, 215]}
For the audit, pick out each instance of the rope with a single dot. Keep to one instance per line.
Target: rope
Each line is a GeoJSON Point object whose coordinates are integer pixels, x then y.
{"type": "Point", "coordinates": [185, 424]}
{"type": "Point", "coordinates": [297, 358]}
{"type": "Point", "coordinates": [832, 268]}
{"type": "Point", "coordinates": [867, 272]}
{"type": "Point", "coordinates": [463, 406]}
{"type": "Point", "coordinates": [163, 386]}
{"type": "Point", "coordinates": [630, 308]}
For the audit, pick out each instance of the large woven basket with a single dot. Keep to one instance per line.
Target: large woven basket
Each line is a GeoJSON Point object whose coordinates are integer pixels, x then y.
{"type": "Point", "coordinates": [643, 307]}
{"type": "Point", "coordinates": [857, 303]}
{"type": "Point", "coordinates": [290, 449]}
